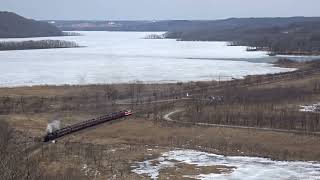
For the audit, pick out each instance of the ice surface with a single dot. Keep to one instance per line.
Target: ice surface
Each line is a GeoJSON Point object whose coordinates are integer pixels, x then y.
{"type": "Point", "coordinates": [310, 108]}
{"type": "Point", "coordinates": [248, 168]}
{"type": "Point", "coordinates": [120, 57]}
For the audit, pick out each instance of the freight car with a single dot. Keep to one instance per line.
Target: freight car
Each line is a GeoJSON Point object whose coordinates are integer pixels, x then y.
{"type": "Point", "coordinates": [86, 124]}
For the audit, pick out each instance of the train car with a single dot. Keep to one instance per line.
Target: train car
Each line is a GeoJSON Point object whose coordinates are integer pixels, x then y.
{"type": "Point", "coordinates": [86, 124]}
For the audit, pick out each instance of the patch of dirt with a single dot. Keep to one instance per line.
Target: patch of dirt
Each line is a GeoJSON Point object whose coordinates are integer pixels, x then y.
{"type": "Point", "coordinates": [184, 171]}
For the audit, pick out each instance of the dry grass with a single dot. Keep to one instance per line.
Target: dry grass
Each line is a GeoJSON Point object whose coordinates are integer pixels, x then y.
{"type": "Point", "coordinates": [90, 161]}
{"type": "Point", "coordinates": [183, 171]}
{"type": "Point", "coordinates": [121, 144]}
{"type": "Point", "coordinates": [71, 90]}
{"type": "Point", "coordinates": [132, 131]}
{"type": "Point", "coordinates": [111, 149]}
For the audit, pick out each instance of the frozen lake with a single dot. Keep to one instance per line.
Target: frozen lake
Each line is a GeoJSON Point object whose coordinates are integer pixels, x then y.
{"type": "Point", "coordinates": [121, 57]}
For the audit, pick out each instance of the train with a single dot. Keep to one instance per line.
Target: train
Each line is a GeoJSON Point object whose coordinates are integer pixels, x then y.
{"type": "Point", "coordinates": [85, 124]}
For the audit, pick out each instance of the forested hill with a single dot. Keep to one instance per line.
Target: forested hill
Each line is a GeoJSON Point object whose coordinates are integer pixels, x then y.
{"type": "Point", "coordinates": [292, 35]}
{"type": "Point", "coordinates": [180, 25]}
{"type": "Point", "coordinates": [240, 28]}
{"type": "Point", "coordinates": [295, 36]}
{"type": "Point", "coordinates": [84, 25]}
{"type": "Point", "coordinates": [15, 26]}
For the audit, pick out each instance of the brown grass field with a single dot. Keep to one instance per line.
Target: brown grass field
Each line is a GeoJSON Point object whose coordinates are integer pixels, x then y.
{"type": "Point", "coordinates": [108, 151]}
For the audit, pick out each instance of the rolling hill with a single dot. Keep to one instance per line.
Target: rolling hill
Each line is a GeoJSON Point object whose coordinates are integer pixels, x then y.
{"type": "Point", "coordinates": [15, 26]}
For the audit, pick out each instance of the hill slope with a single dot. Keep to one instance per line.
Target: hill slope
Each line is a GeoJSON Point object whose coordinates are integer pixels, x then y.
{"type": "Point", "coordinates": [181, 25]}
{"type": "Point", "coordinates": [293, 36]}
{"type": "Point", "coordinates": [15, 26]}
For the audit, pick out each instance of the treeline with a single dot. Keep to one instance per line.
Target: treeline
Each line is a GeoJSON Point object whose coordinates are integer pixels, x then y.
{"type": "Point", "coordinates": [147, 26]}
{"type": "Point", "coordinates": [154, 36]}
{"type": "Point", "coordinates": [278, 35]}
{"type": "Point", "coordinates": [258, 115]}
{"type": "Point", "coordinates": [71, 34]}
{"type": "Point", "coordinates": [264, 108]}
{"type": "Point", "coordinates": [42, 44]}
{"type": "Point", "coordinates": [183, 26]}
{"type": "Point", "coordinates": [296, 39]}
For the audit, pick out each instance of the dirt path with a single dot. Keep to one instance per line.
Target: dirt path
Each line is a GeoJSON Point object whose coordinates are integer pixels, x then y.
{"type": "Point", "coordinates": [167, 117]}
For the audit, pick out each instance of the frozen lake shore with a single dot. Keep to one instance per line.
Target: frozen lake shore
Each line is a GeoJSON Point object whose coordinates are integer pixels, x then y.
{"type": "Point", "coordinates": [122, 57]}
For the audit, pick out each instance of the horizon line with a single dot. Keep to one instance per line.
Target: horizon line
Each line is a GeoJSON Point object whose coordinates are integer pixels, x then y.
{"type": "Point", "coordinates": [265, 17]}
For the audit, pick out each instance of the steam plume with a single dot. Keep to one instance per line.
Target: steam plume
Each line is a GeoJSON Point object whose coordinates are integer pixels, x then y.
{"type": "Point", "coordinates": [53, 126]}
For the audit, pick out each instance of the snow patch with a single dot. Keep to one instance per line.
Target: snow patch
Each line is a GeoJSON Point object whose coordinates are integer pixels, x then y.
{"type": "Point", "coordinates": [310, 108]}
{"type": "Point", "coordinates": [88, 171]}
{"type": "Point", "coordinates": [152, 171]}
{"type": "Point", "coordinates": [248, 168]}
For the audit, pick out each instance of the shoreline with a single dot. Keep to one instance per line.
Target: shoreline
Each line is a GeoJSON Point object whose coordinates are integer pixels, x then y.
{"type": "Point", "coordinates": [292, 66]}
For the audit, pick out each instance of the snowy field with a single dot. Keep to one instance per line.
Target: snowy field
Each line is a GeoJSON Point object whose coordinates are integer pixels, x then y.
{"type": "Point", "coordinates": [249, 168]}
{"type": "Point", "coordinates": [121, 57]}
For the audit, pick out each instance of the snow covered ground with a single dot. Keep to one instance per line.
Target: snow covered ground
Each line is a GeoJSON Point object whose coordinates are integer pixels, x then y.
{"type": "Point", "coordinates": [248, 168]}
{"type": "Point", "coordinates": [310, 108]}
{"type": "Point", "coordinates": [121, 57]}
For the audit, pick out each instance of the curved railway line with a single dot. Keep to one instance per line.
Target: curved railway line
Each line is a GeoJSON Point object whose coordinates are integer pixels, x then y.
{"type": "Point", "coordinates": [249, 81]}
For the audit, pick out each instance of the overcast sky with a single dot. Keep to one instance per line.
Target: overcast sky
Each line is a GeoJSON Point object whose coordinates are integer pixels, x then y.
{"type": "Point", "coordinates": [159, 9]}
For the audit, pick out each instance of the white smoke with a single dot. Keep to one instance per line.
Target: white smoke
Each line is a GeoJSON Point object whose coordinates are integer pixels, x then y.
{"type": "Point", "coordinates": [53, 126]}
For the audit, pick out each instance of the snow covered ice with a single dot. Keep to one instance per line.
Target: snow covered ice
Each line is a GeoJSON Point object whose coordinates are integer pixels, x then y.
{"type": "Point", "coordinates": [248, 168]}
{"type": "Point", "coordinates": [122, 57]}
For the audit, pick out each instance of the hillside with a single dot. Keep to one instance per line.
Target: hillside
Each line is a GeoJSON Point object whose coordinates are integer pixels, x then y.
{"type": "Point", "coordinates": [180, 25]}
{"type": "Point", "coordinates": [83, 25]}
{"type": "Point", "coordinates": [237, 29]}
{"type": "Point", "coordinates": [295, 36]}
{"type": "Point", "coordinates": [292, 35]}
{"type": "Point", "coordinates": [15, 26]}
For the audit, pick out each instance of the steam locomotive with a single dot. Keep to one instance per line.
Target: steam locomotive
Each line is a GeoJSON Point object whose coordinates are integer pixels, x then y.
{"type": "Point", "coordinates": [85, 124]}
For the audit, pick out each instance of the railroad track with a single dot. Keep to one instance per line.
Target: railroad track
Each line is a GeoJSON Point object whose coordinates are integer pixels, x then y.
{"type": "Point", "coordinates": [275, 78]}
{"type": "Point", "coordinates": [261, 80]}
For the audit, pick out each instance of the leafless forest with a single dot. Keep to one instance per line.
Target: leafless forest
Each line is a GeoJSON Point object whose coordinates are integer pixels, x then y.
{"type": "Point", "coordinates": [42, 44]}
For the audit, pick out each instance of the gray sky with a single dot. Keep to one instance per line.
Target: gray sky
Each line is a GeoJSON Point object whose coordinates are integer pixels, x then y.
{"type": "Point", "coordinates": [159, 9]}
